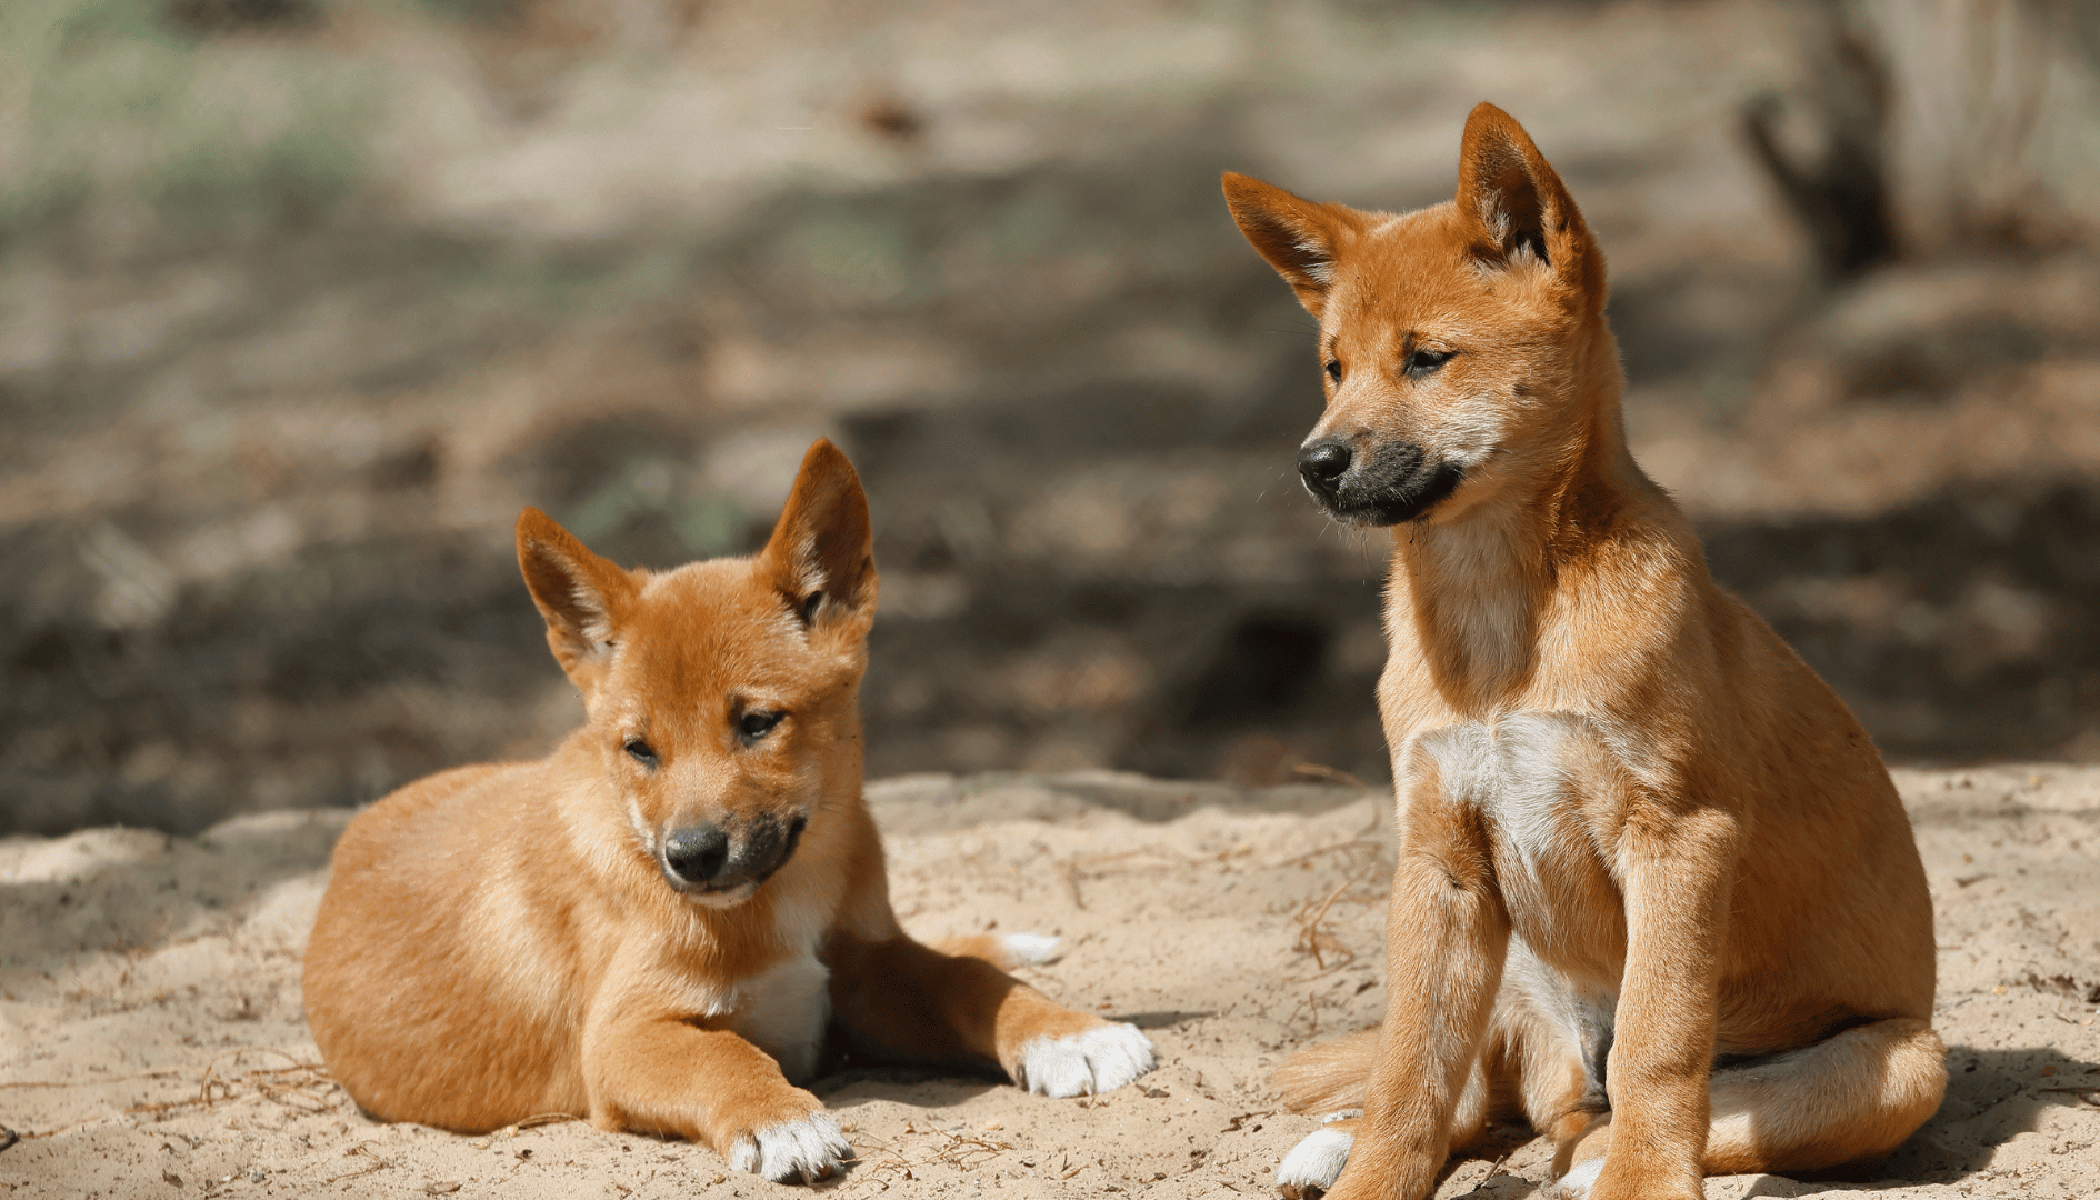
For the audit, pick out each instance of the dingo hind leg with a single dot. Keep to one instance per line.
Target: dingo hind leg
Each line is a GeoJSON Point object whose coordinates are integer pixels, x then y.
{"type": "Point", "coordinates": [1835, 1109]}
{"type": "Point", "coordinates": [1005, 950]}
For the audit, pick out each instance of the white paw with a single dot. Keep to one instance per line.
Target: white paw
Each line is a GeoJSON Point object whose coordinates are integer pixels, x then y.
{"type": "Point", "coordinates": [1098, 1060]}
{"type": "Point", "coordinates": [1315, 1163]}
{"type": "Point", "coordinates": [1030, 949]}
{"type": "Point", "coordinates": [809, 1149]}
{"type": "Point", "coordinates": [1576, 1183]}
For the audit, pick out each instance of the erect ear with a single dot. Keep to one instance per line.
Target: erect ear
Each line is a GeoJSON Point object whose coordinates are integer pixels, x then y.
{"type": "Point", "coordinates": [1514, 205]}
{"type": "Point", "coordinates": [1300, 238]}
{"type": "Point", "coordinates": [584, 597]}
{"type": "Point", "coordinates": [822, 553]}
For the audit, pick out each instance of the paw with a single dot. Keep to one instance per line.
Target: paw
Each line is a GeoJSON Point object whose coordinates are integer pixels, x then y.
{"type": "Point", "coordinates": [1576, 1183]}
{"type": "Point", "coordinates": [1030, 949]}
{"type": "Point", "coordinates": [1101, 1059]}
{"type": "Point", "coordinates": [1316, 1162]}
{"type": "Point", "coordinates": [807, 1150]}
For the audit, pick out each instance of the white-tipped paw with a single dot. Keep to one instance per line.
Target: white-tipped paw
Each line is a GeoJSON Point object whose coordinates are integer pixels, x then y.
{"type": "Point", "coordinates": [1315, 1162]}
{"type": "Point", "coordinates": [1031, 949]}
{"type": "Point", "coordinates": [1576, 1183]}
{"type": "Point", "coordinates": [807, 1150]}
{"type": "Point", "coordinates": [1098, 1060]}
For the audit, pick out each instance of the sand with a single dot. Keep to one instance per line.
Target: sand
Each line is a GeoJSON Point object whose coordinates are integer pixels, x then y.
{"type": "Point", "coordinates": [151, 1042]}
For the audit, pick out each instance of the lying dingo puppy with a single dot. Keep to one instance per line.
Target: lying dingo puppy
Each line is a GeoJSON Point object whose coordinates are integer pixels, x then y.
{"type": "Point", "coordinates": [657, 925]}
{"type": "Point", "coordinates": [1655, 890]}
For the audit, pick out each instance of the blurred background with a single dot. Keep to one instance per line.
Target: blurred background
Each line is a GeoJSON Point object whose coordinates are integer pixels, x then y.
{"type": "Point", "coordinates": [301, 300]}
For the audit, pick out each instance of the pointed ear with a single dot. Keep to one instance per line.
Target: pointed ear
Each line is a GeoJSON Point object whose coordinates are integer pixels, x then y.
{"type": "Point", "coordinates": [584, 598]}
{"type": "Point", "coordinates": [1513, 204]}
{"type": "Point", "coordinates": [1300, 238]}
{"type": "Point", "coordinates": [822, 553]}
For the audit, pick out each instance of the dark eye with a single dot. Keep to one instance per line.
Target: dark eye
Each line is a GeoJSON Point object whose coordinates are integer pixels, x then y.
{"type": "Point", "coordinates": [639, 751]}
{"type": "Point", "coordinates": [1424, 363]}
{"type": "Point", "coordinates": [754, 725]}
{"type": "Point", "coordinates": [1334, 369]}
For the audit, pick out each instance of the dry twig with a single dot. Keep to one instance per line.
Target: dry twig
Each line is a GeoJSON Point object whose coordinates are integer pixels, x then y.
{"type": "Point", "coordinates": [70, 1083]}
{"type": "Point", "coordinates": [2085, 1095]}
{"type": "Point", "coordinates": [964, 1150]}
{"type": "Point", "coordinates": [1069, 870]}
{"type": "Point", "coordinates": [1353, 844]}
{"type": "Point", "coordinates": [1312, 939]}
{"type": "Point", "coordinates": [301, 1085]}
{"type": "Point", "coordinates": [1327, 774]}
{"type": "Point", "coordinates": [364, 1148]}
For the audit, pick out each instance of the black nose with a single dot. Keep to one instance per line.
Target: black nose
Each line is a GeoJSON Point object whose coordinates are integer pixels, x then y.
{"type": "Point", "coordinates": [1322, 462]}
{"type": "Point", "coordinates": [696, 854]}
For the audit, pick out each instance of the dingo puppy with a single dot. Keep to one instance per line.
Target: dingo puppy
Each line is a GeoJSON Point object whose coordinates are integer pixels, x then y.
{"type": "Point", "coordinates": [1655, 889]}
{"type": "Point", "coordinates": [657, 925]}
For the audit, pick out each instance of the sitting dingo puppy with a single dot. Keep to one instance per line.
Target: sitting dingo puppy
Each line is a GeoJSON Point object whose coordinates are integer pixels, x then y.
{"type": "Point", "coordinates": [657, 925]}
{"type": "Point", "coordinates": [1655, 890]}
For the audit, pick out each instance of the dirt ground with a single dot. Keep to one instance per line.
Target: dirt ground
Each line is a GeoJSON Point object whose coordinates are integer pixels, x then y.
{"type": "Point", "coordinates": [151, 1042]}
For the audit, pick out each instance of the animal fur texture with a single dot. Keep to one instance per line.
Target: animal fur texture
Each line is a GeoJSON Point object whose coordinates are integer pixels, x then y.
{"type": "Point", "coordinates": [664, 923]}
{"type": "Point", "coordinates": [1655, 890]}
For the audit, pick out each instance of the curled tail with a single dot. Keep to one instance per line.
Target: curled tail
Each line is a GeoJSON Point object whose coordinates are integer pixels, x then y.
{"type": "Point", "coordinates": [1841, 1105]}
{"type": "Point", "coordinates": [1330, 1076]}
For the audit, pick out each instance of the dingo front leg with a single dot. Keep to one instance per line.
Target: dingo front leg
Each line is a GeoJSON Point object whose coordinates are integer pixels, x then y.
{"type": "Point", "coordinates": [902, 1001]}
{"type": "Point", "coordinates": [660, 1074]}
{"type": "Point", "coordinates": [908, 1002]}
{"type": "Point", "coordinates": [1676, 872]}
{"type": "Point", "coordinates": [1445, 938]}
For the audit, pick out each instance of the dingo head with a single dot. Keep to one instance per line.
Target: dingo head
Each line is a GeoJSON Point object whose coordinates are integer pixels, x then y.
{"type": "Point", "coordinates": [722, 695]}
{"type": "Point", "coordinates": [1463, 344]}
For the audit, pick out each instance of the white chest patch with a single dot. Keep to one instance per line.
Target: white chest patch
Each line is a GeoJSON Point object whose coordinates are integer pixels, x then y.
{"type": "Point", "coordinates": [1513, 773]}
{"type": "Point", "coordinates": [783, 1011]}
{"type": "Point", "coordinates": [1532, 801]}
{"type": "Point", "coordinates": [1530, 775]}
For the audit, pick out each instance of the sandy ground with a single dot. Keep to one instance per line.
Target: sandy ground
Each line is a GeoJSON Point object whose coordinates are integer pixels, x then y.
{"type": "Point", "coordinates": [151, 1042]}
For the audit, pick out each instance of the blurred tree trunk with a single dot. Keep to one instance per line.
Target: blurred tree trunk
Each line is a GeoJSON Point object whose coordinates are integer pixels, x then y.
{"type": "Point", "coordinates": [1833, 169]}
{"type": "Point", "coordinates": [1932, 127]}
